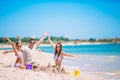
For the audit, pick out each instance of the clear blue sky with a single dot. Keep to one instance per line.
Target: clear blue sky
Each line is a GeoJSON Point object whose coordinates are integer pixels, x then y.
{"type": "Point", "coordinates": [77, 19]}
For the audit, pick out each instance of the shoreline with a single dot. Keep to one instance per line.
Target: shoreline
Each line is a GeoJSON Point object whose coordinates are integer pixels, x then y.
{"type": "Point", "coordinates": [64, 44]}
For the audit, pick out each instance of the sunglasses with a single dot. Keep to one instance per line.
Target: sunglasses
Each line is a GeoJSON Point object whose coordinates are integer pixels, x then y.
{"type": "Point", "coordinates": [19, 46]}
{"type": "Point", "coordinates": [32, 42]}
{"type": "Point", "coordinates": [57, 46]}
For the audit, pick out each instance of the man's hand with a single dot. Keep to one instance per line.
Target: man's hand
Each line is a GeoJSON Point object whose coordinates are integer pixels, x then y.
{"type": "Point", "coordinates": [18, 37]}
{"type": "Point", "coordinates": [45, 34]}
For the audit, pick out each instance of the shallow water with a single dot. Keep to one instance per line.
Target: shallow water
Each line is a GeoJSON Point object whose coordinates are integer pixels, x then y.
{"type": "Point", "coordinates": [105, 66]}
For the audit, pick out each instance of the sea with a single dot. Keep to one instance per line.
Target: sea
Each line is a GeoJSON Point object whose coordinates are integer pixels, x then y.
{"type": "Point", "coordinates": [97, 59]}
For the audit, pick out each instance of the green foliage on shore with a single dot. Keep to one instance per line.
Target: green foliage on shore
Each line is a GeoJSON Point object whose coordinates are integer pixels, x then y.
{"type": "Point", "coordinates": [62, 39]}
{"type": "Point", "coordinates": [26, 39]}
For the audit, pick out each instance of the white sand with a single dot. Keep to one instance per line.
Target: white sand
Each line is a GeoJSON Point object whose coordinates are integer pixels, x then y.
{"type": "Point", "coordinates": [8, 72]}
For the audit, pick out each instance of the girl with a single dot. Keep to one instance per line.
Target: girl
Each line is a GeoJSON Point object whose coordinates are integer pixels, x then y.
{"type": "Point", "coordinates": [18, 53]}
{"type": "Point", "coordinates": [59, 54]}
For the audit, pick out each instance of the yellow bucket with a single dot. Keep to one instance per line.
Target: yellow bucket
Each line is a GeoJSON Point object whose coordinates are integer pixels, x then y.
{"type": "Point", "coordinates": [76, 72]}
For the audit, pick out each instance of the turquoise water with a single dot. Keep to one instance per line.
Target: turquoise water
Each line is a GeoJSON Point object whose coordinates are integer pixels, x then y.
{"type": "Point", "coordinates": [89, 49]}
{"type": "Point", "coordinates": [94, 49]}
{"type": "Point", "coordinates": [5, 48]}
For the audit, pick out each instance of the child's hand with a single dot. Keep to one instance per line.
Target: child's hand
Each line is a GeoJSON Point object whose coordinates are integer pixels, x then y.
{"type": "Point", "coordinates": [5, 38]}
{"type": "Point", "coordinates": [4, 52]}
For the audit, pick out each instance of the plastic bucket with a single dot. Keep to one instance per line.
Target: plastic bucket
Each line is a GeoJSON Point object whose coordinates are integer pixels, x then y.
{"type": "Point", "coordinates": [28, 66]}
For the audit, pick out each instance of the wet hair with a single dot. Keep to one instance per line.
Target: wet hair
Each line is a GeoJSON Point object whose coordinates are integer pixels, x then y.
{"type": "Point", "coordinates": [59, 50]}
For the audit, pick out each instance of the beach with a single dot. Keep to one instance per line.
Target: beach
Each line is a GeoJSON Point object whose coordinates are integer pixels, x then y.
{"type": "Point", "coordinates": [59, 40]}
{"type": "Point", "coordinates": [9, 72]}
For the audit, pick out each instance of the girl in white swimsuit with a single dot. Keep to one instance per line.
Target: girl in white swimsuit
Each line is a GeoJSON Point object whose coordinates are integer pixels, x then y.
{"type": "Point", "coordinates": [59, 54]}
{"type": "Point", "coordinates": [18, 53]}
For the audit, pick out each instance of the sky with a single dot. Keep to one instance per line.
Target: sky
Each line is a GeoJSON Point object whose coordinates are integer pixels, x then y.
{"type": "Point", "coordinates": [76, 19]}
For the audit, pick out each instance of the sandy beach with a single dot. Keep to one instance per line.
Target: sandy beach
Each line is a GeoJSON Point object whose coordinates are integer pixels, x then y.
{"type": "Point", "coordinates": [9, 72]}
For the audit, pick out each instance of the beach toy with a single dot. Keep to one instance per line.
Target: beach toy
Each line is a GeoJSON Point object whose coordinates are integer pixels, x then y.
{"type": "Point", "coordinates": [28, 66]}
{"type": "Point", "coordinates": [76, 72]}
{"type": "Point", "coordinates": [67, 72]}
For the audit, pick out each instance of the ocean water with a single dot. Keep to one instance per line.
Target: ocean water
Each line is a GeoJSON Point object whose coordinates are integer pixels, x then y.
{"type": "Point", "coordinates": [89, 49]}
{"type": "Point", "coordinates": [86, 49]}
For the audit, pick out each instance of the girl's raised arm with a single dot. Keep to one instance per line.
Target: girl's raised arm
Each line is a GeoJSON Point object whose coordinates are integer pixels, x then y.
{"type": "Point", "coordinates": [51, 42]}
{"type": "Point", "coordinates": [12, 43]}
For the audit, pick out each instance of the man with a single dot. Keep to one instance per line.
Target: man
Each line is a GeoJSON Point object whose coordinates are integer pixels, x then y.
{"type": "Point", "coordinates": [29, 50]}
